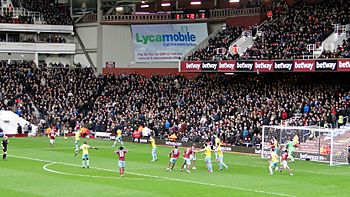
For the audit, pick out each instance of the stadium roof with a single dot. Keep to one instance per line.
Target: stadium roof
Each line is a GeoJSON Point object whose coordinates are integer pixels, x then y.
{"type": "Point", "coordinates": [110, 5]}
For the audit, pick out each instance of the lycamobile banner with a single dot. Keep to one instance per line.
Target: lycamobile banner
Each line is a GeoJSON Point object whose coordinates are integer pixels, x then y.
{"type": "Point", "coordinates": [166, 42]}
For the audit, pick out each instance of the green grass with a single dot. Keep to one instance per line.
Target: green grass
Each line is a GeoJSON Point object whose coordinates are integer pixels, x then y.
{"type": "Point", "coordinates": [23, 174]}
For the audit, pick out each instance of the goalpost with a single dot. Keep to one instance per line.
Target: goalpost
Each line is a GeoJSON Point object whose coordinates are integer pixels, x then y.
{"type": "Point", "coordinates": [313, 143]}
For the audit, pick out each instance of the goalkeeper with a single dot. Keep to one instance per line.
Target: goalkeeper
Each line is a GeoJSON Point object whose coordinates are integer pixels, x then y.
{"type": "Point", "coordinates": [85, 157]}
{"type": "Point", "coordinates": [290, 147]}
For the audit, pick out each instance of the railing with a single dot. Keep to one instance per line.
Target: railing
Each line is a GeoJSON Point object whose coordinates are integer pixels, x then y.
{"type": "Point", "coordinates": [220, 13]}
{"type": "Point", "coordinates": [137, 17]}
{"type": "Point", "coordinates": [89, 18]}
{"type": "Point", "coordinates": [309, 57]}
{"type": "Point", "coordinates": [339, 29]}
{"type": "Point", "coordinates": [258, 32]}
{"type": "Point", "coordinates": [17, 12]}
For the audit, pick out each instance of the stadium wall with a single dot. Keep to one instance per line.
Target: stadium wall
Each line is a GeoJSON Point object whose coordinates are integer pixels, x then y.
{"type": "Point", "coordinates": [118, 45]}
{"type": "Point", "coordinates": [148, 71]}
{"type": "Point", "coordinates": [88, 34]}
{"type": "Point", "coordinates": [17, 56]}
{"type": "Point", "coordinates": [245, 21]}
{"type": "Point", "coordinates": [118, 48]}
{"type": "Point", "coordinates": [63, 59]}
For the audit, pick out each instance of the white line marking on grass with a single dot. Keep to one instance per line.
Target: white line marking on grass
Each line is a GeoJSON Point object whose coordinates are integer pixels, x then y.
{"type": "Point", "coordinates": [294, 170]}
{"type": "Point", "coordinates": [165, 178]}
{"type": "Point", "coordinates": [45, 167]}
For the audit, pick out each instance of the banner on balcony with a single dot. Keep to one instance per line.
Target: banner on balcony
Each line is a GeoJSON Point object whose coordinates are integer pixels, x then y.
{"type": "Point", "coordinates": [166, 42]}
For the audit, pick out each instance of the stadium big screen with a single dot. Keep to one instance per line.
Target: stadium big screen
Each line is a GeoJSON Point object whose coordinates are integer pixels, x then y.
{"type": "Point", "coordinates": [83, 6]}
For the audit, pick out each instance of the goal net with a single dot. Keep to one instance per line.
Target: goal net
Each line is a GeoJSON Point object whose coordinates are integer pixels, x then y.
{"type": "Point", "coordinates": [310, 143]}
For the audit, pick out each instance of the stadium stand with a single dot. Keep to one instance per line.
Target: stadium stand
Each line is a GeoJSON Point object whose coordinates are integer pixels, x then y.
{"type": "Point", "coordinates": [21, 20]}
{"type": "Point", "coordinates": [234, 106]}
{"type": "Point", "coordinates": [288, 33]}
{"type": "Point", "coordinates": [52, 13]}
{"type": "Point", "coordinates": [342, 51]}
{"type": "Point", "coordinates": [218, 45]}
{"type": "Point", "coordinates": [13, 93]}
{"type": "Point", "coordinates": [193, 108]}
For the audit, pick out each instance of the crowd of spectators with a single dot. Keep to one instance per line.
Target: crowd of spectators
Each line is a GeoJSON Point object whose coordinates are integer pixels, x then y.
{"type": "Point", "coordinates": [32, 38]}
{"type": "Point", "coordinates": [342, 51]}
{"type": "Point", "coordinates": [218, 45]}
{"type": "Point", "coordinates": [288, 33]}
{"type": "Point", "coordinates": [62, 95]}
{"type": "Point", "coordinates": [54, 39]}
{"type": "Point", "coordinates": [235, 107]}
{"type": "Point", "coordinates": [12, 90]}
{"type": "Point", "coordinates": [254, 3]}
{"type": "Point", "coordinates": [292, 32]}
{"type": "Point", "coordinates": [8, 18]}
{"type": "Point", "coordinates": [51, 11]}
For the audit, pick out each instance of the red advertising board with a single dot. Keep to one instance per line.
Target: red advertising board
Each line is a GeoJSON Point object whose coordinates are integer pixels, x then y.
{"type": "Point", "coordinates": [304, 66]}
{"type": "Point", "coordinates": [191, 66]}
{"type": "Point", "coordinates": [344, 65]}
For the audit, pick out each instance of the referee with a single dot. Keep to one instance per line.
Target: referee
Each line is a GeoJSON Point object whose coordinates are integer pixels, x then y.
{"type": "Point", "coordinates": [4, 144]}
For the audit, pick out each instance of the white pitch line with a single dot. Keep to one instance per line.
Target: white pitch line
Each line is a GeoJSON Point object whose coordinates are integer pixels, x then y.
{"type": "Point", "coordinates": [294, 170]}
{"type": "Point", "coordinates": [165, 178]}
{"type": "Point", "coordinates": [45, 167]}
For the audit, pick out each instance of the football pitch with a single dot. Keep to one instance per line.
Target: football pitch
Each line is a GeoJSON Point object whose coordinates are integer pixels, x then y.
{"type": "Point", "coordinates": [33, 169]}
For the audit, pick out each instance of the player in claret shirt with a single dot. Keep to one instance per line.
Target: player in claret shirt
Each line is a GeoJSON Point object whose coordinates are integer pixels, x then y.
{"type": "Point", "coordinates": [121, 162]}
{"type": "Point", "coordinates": [187, 157]}
{"type": "Point", "coordinates": [174, 155]}
{"type": "Point", "coordinates": [284, 163]}
{"type": "Point", "coordinates": [193, 158]}
{"type": "Point", "coordinates": [52, 136]}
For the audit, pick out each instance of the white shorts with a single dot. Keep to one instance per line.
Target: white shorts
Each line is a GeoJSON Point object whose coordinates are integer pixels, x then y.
{"type": "Point", "coordinates": [193, 158]}
{"type": "Point", "coordinates": [187, 161]}
{"type": "Point", "coordinates": [52, 141]}
{"type": "Point", "coordinates": [121, 164]}
{"type": "Point", "coordinates": [284, 163]}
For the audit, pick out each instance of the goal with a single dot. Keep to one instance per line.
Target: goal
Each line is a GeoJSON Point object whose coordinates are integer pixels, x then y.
{"type": "Point", "coordinates": [311, 143]}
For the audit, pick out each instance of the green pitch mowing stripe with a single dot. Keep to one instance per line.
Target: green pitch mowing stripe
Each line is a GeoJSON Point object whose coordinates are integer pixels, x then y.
{"type": "Point", "coordinates": [45, 167]}
{"type": "Point", "coordinates": [33, 169]}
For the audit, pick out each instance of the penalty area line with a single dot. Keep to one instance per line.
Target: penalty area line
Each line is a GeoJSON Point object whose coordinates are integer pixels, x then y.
{"type": "Point", "coordinates": [294, 170]}
{"type": "Point", "coordinates": [164, 178]}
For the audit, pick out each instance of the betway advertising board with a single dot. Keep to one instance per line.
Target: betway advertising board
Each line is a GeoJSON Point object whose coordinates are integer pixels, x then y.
{"type": "Point", "coordinates": [263, 66]}
{"type": "Point", "coordinates": [166, 42]}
